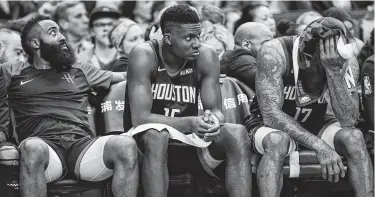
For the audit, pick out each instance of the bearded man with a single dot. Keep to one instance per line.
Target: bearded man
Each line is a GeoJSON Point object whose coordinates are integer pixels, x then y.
{"type": "Point", "coordinates": [49, 98]}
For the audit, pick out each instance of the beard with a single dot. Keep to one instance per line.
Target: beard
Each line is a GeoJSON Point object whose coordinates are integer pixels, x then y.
{"type": "Point", "coordinates": [59, 58]}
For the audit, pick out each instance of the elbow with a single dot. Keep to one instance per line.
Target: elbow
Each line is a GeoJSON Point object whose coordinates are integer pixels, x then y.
{"type": "Point", "coordinates": [271, 120]}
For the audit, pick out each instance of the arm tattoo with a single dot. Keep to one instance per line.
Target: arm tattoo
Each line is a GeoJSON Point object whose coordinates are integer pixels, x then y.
{"type": "Point", "coordinates": [269, 89]}
{"type": "Point", "coordinates": [344, 103]}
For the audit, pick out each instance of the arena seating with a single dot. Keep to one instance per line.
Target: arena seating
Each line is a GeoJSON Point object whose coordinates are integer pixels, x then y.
{"type": "Point", "coordinates": [236, 99]}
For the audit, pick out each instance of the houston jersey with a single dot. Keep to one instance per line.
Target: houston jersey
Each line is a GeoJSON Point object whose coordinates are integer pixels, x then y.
{"type": "Point", "coordinates": [173, 96]}
{"type": "Point", "coordinates": [311, 116]}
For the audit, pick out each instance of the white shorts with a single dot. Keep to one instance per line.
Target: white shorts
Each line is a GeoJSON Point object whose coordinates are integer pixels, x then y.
{"type": "Point", "coordinates": [208, 162]}
{"type": "Point", "coordinates": [327, 134]}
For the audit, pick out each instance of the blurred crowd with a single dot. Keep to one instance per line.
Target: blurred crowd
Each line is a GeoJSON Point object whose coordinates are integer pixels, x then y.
{"type": "Point", "coordinates": [104, 32]}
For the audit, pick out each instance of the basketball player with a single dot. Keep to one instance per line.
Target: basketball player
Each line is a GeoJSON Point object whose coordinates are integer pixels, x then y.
{"type": "Point", "coordinates": [49, 97]}
{"type": "Point", "coordinates": [293, 73]}
{"type": "Point", "coordinates": [164, 79]}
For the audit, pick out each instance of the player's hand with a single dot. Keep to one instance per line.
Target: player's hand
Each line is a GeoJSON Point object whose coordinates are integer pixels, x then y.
{"type": "Point", "coordinates": [329, 56]}
{"type": "Point", "coordinates": [214, 132]}
{"type": "Point", "coordinates": [200, 126]}
{"type": "Point", "coordinates": [332, 166]}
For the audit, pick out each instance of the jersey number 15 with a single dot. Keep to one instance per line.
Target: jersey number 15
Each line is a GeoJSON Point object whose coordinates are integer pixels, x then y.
{"type": "Point", "coordinates": [171, 112]}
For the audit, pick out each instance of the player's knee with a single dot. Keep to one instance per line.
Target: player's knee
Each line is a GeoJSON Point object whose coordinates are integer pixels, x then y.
{"type": "Point", "coordinates": [34, 152]}
{"type": "Point", "coordinates": [236, 132]}
{"type": "Point", "coordinates": [276, 143]}
{"type": "Point", "coordinates": [124, 148]}
{"type": "Point", "coordinates": [153, 137]}
{"type": "Point", "coordinates": [352, 140]}
{"type": "Point", "coordinates": [155, 143]}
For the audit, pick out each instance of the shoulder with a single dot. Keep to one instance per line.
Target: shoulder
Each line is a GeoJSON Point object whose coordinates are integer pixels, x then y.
{"type": "Point", "coordinates": [271, 56]}
{"type": "Point", "coordinates": [272, 49]}
{"type": "Point", "coordinates": [207, 55]}
{"type": "Point", "coordinates": [142, 49]}
{"type": "Point", "coordinates": [206, 51]}
{"type": "Point", "coordinates": [142, 61]}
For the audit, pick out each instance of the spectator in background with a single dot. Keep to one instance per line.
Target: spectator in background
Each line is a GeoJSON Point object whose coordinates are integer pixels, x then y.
{"type": "Point", "coordinates": [241, 62]}
{"type": "Point", "coordinates": [73, 21]}
{"type": "Point", "coordinates": [102, 55]}
{"type": "Point", "coordinates": [10, 50]}
{"type": "Point", "coordinates": [345, 17]}
{"type": "Point", "coordinates": [124, 36]}
{"type": "Point", "coordinates": [367, 23]}
{"type": "Point", "coordinates": [211, 15]}
{"type": "Point", "coordinates": [289, 28]}
{"type": "Point", "coordinates": [308, 17]}
{"type": "Point", "coordinates": [142, 13]}
{"type": "Point", "coordinates": [219, 38]}
{"type": "Point", "coordinates": [158, 7]}
{"type": "Point", "coordinates": [367, 50]}
{"type": "Point", "coordinates": [257, 12]}
{"type": "Point", "coordinates": [10, 46]}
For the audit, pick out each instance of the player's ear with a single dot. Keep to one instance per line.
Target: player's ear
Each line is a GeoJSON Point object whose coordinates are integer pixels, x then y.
{"type": "Point", "coordinates": [167, 38]}
{"type": "Point", "coordinates": [246, 44]}
{"type": "Point", "coordinates": [35, 43]}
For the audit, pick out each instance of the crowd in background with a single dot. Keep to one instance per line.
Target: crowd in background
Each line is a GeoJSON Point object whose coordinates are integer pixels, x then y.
{"type": "Point", "coordinates": [104, 32]}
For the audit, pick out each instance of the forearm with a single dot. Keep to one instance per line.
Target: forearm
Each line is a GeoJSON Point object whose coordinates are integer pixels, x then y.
{"type": "Point", "coordinates": [182, 124]}
{"type": "Point", "coordinates": [118, 77]}
{"type": "Point", "coordinates": [344, 104]}
{"type": "Point", "coordinates": [283, 122]}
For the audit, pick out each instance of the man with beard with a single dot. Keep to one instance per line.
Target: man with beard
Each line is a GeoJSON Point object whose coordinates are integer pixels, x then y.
{"type": "Point", "coordinates": [49, 98]}
{"type": "Point", "coordinates": [292, 75]}
{"type": "Point", "coordinates": [240, 63]}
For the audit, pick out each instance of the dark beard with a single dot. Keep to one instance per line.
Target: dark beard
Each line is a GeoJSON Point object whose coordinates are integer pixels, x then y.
{"type": "Point", "coordinates": [61, 59]}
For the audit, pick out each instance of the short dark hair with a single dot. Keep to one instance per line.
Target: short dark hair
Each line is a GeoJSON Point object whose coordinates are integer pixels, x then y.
{"type": "Point", "coordinates": [247, 14]}
{"type": "Point", "coordinates": [25, 34]}
{"type": "Point", "coordinates": [178, 14]}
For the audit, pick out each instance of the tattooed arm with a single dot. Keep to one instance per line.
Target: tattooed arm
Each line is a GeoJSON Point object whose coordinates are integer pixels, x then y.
{"type": "Point", "coordinates": [269, 89]}
{"type": "Point", "coordinates": [343, 98]}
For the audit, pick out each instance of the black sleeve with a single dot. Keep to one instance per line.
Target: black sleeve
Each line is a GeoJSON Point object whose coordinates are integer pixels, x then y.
{"type": "Point", "coordinates": [96, 77]}
{"type": "Point", "coordinates": [367, 83]}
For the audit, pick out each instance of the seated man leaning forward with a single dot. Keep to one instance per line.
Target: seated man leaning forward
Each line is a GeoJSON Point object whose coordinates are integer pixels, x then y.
{"type": "Point", "coordinates": [293, 73]}
{"type": "Point", "coordinates": [49, 97]}
{"type": "Point", "coordinates": [164, 78]}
